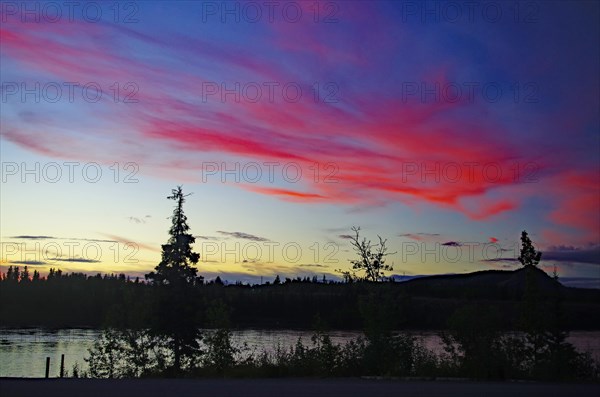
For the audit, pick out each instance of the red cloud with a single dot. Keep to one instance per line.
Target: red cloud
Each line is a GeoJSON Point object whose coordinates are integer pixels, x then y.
{"type": "Point", "coordinates": [577, 204]}
{"type": "Point", "coordinates": [384, 149]}
{"type": "Point", "coordinates": [137, 245]}
{"type": "Point", "coordinates": [286, 194]}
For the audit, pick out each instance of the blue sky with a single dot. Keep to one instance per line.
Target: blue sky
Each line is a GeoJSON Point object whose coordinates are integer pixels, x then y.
{"type": "Point", "coordinates": [425, 123]}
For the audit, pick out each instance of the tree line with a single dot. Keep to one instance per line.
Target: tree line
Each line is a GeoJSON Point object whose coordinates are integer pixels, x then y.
{"type": "Point", "coordinates": [79, 300]}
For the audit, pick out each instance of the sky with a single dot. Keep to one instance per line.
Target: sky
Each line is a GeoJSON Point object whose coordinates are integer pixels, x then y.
{"type": "Point", "coordinates": [446, 128]}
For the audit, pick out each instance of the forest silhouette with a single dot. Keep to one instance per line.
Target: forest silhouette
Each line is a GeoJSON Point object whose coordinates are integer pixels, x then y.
{"type": "Point", "coordinates": [152, 328]}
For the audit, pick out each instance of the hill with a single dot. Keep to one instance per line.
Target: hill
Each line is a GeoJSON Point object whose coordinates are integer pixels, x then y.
{"type": "Point", "coordinates": [485, 284]}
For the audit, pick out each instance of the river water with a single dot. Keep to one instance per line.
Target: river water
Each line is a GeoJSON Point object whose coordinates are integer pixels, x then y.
{"type": "Point", "coordinates": [23, 352]}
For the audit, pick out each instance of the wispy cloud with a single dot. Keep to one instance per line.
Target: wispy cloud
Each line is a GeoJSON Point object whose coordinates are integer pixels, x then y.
{"type": "Point", "coordinates": [380, 143]}
{"type": "Point", "coordinates": [581, 282]}
{"type": "Point", "coordinates": [27, 237]}
{"type": "Point", "coordinates": [371, 124]}
{"type": "Point", "coordinates": [243, 236]}
{"type": "Point", "coordinates": [94, 240]}
{"type": "Point", "coordinates": [211, 238]}
{"type": "Point", "coordinates": [124, 240]}
{"type": "Point", "coordinates": [452, 244]}
{"type": "Point", "coordinates": [505, 259]}
{"type": "Point", "coordinates": [139, 219]}
{"type": "Point", "coordinates": [572, 254]}
{"type": "Point", "coordinates": [77, 260]}
{"type": "Point", "coordinates": [29, 263]}
{"type": "Point", "coordinates": [420, 236]}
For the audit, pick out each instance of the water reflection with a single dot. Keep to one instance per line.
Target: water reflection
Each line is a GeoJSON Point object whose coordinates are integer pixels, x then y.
{"type": "Point", "coordinates": [23, 352]}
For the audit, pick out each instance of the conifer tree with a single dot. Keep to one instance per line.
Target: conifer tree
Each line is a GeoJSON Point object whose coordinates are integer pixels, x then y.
{"type": "Point", "coordinates": [175, 278]}
{"type": "Point", "coordinates": [529, 256]}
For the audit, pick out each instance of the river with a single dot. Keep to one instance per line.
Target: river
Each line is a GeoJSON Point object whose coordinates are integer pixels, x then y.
{"type": "Point", "coordinates": [23, 352]}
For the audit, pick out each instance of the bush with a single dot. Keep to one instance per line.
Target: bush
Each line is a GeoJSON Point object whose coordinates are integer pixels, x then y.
{"type": "Point", "coordinates": [126, 354]}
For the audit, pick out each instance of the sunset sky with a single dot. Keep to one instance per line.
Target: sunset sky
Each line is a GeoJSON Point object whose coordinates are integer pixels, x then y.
{"type": "Point", "coordinates": [447, 128]}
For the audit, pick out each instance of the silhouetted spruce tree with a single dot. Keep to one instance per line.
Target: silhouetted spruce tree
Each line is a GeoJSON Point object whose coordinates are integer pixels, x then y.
{"type": "Point", "coordinates": [16, 274]}
{"type": "Point", "coordinates": [528, 256]}
{"type": "Point", "coordinates": [10, 274]}
{"type": "Point", "coordinates": [176, 307]}
{"type": "Point", "coordinates": [550, 355]}
{"type": "Point", "coordinates": [25, 275]}
{"type": "Point", "coordinates": [533, 317]}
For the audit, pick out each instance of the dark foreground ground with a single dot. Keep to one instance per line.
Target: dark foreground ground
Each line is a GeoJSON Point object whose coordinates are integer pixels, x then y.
{"type": "Point", "coordinates": [285, 388]}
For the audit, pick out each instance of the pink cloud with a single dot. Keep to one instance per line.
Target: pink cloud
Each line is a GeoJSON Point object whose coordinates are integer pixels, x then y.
{"type": "Point", "coordinates": [385, 149]}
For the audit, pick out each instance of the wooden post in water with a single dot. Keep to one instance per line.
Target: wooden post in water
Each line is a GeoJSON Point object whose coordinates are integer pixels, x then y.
{"type": "Point", "coordinates": [62, 365]}
{"type": "Point", "coordinates": [47, 367]}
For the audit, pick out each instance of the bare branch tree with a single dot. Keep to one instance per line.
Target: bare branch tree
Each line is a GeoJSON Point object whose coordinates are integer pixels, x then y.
{"type": "Point", "coordinates": [371, 258]}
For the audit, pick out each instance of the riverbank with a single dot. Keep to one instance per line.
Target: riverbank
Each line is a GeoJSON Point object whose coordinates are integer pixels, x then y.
{"type": "Point", "coordinates": [24, 351]}
{"type": "Point", "coordinates": [289, 387]}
